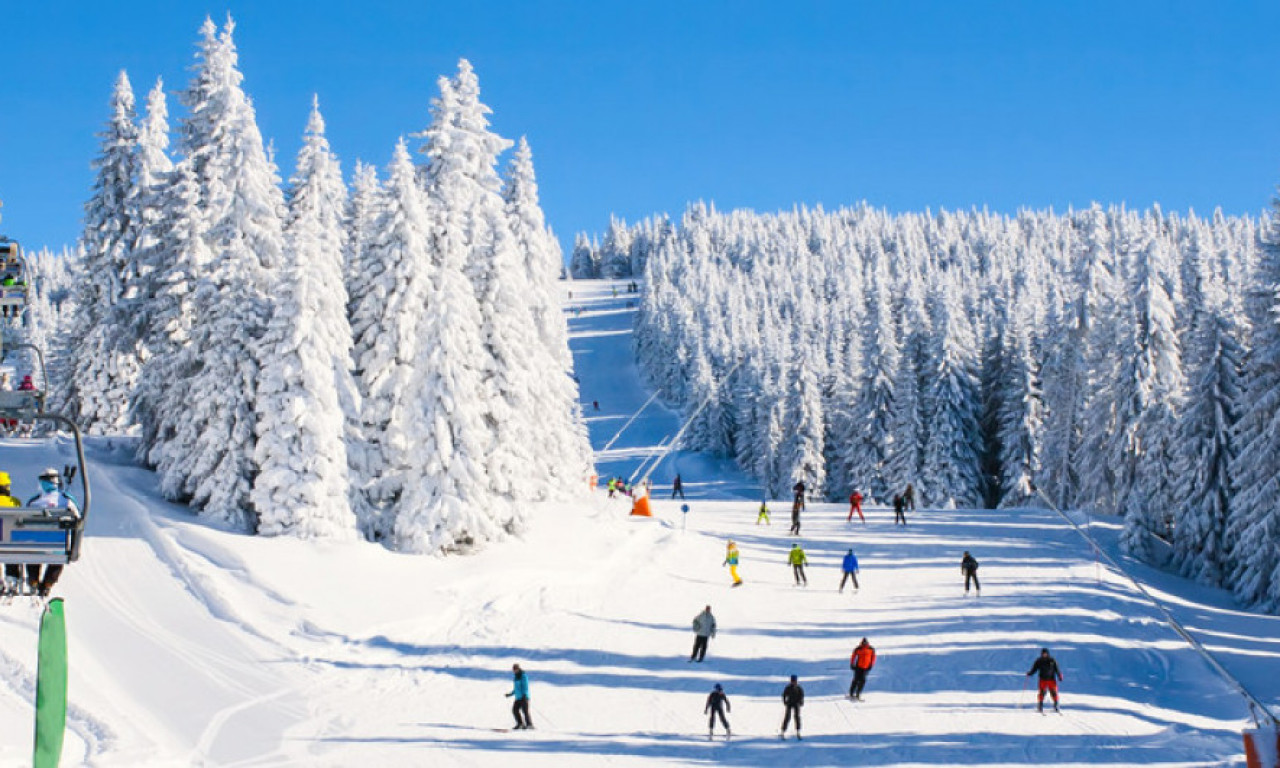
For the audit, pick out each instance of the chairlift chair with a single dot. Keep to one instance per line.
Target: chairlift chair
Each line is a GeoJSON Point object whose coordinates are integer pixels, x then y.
{"type": "Point", "coordinates": [15, 297]}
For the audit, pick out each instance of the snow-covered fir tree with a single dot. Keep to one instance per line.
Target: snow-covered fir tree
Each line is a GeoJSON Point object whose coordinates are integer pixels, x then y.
{"type": "Point", "coordinates": [301, 486]}
{"type": "Point", "coordinates": [99, 385]}
{"type": "Point", "coordinates": [210, 459]}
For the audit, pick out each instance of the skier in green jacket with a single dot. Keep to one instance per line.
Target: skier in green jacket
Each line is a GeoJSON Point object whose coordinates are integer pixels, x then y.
{"type": "Point", "coordinates": [797, 560]}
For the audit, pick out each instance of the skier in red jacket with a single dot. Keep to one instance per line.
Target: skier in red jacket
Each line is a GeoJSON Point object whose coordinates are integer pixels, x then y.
{"type": "Point", "coordinates": [863, 659]}
{"type": "Point", "coordinates": [855, 505]}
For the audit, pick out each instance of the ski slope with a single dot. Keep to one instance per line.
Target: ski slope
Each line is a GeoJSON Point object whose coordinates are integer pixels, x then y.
{"type": "Point", "coordinates": [191, 645]}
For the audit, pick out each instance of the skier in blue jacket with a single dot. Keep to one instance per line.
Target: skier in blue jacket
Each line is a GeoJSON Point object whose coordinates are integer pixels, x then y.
{"type": "Point", "coordinates": [521, 706]}
{"type": "Point", "coordinates": [850, 568]}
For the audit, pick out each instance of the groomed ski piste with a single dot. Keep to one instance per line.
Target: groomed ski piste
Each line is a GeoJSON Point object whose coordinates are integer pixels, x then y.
{"type": "Point", "coordinates": [191, 645]}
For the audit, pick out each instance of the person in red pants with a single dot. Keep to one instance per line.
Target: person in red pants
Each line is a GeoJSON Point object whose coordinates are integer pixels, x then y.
{"type": "Point", "coordinates": [855, 505]}
{"type": "Point", "coordinates": [1049, 677]}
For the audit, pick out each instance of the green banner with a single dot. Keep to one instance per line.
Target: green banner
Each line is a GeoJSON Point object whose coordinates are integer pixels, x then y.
{"type": "Point", "coordinates": [51, 686]}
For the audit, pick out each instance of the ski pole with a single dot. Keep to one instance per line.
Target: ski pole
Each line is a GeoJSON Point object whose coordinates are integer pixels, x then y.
{"type": "Point", "coordinates": [1025, 702]}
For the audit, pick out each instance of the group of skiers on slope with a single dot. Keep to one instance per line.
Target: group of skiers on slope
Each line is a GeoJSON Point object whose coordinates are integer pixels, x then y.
{"type": "Point", "coordinates": [620, 485]}
{"type": "Point", "coordinates": [901, 503]}
{"type": "Point", "coordinates": [28, 579]}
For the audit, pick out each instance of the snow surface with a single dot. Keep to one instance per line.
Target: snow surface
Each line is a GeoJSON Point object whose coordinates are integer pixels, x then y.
{"type": "Point", "coordinates": [192, 645]}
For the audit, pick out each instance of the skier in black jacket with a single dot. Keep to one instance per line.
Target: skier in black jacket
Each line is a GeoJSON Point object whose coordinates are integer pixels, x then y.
{"type": "Point", "coordinates": [1049, 677]}
{"type": "Point", "coordinates": [793, 700]}
{"type": "Point", "coordinates": [969, 567]}
{"type": "Point", "coordinates": [717, 704]}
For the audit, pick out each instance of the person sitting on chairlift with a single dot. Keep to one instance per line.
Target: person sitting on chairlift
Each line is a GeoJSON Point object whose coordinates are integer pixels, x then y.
{"type": "Point", "coordinates": [51, 496]}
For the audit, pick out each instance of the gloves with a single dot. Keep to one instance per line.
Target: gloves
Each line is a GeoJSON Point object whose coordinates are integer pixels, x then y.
{"type": "Point", "coordinates": [508, 695]}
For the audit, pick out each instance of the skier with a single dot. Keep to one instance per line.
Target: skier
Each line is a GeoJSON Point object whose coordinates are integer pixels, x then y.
{"type": "Point", "coordinates": [798, 488]}
{"type": "Point", "coordinates": [731, 560]}
{"type": "Point", "coordinates": [797, 560]}
{"type": "Point", "coordinates": [855, 506]}
{"type": "Point", "coordinates": [795, 515]}
{"type": "Point", "coordinates": [899, 509]}
{"type": "Point", "coordinates": [521, 706]}
{"type": "Point", "coordinates": [850, 568]}
{"type": "Point", "coordinates": [677, 487]}
{"type": "Point", "coordinates": [27, 385]}
{"type": "Point", "coordinates": [595, 404]}
{"type": "Point", "coordinates": [51, 496]}
{"type": "Point", "coordinates": [717, 704]}
{"type": "Point", "coordinates": [909, 497]}
{"type": "Point", "coordinates": [793, 700]}
{"type": "Point", "coordinates": [704, 628]}
{"type": "Point", "coordinates": [763, 514]}
{"type": "Point", "coordinates": [969, 567]}
{"type": "Point", "coordinates": [1049, 677]}
{"type": "Point", "coordinates": [861, 662]}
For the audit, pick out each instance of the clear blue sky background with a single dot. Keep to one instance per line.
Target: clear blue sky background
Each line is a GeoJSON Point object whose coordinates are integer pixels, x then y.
{"type": "Point", "coordinates": [641, 107]}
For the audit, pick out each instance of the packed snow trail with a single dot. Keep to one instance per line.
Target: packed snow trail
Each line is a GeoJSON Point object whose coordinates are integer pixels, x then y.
{"type": "Point", "coordinates": [600, 326]}
{"type": "Point", "coordinates": [192, 645]}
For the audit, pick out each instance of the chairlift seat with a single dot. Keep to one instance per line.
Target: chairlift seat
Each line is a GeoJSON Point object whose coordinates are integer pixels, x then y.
{"type": "Point", "coordinates": [37, 536]}
{"type": "Point", "coordinates": [20, 403]}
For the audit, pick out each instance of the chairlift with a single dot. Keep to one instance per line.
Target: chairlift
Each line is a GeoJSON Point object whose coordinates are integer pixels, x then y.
{"type": "Point", "coordinates": [15, 281]}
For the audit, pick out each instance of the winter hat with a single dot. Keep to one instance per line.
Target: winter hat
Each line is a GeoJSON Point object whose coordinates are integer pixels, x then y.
{"type": "Point", "coordinates": [50, 473]}
{"type": "Point", "coordinates": [718, 688]}
{"type": "Point", "coordinates": [793, 678]}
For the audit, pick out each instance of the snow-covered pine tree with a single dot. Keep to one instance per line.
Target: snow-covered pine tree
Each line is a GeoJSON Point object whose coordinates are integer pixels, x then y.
{"type": "Point", "coordinates": [568, 456]}
{"type": "Point", "coordinates": [1253, 529]}
{"type": "Point", "coordinates": [463, 185]}
{"type": "Point", "coordinates": [387, 325]}
{"type": "Point", "coordinates": [301, 487]}
{"type": "Point", "coordinates": [211, 455]}
{"type": "Point", "coordinates": [1150, 500]}
{"type": "Point", "coordinates": [180, 257]}
{"type": "Point", "coordinates": [869, 444]}
{"type": "Point", "coordinates": [950, 475]}
{"type": "Point", "coordinates": [1020, 415]}
{"type": "Point", "coordinates": [360, 269]}
{"type": "Point", "coordinates": [1206, 443]}
{"type": "Point", "coordinates": [103, 368]}
{"type": "Point", "coordinates": [450, 501]}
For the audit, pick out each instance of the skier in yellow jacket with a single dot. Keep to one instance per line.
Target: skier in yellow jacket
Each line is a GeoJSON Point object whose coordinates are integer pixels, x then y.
{"type": "Point", "coordinates": [797, 560]}
{"type": "Point", "coordinates": [731, 560]}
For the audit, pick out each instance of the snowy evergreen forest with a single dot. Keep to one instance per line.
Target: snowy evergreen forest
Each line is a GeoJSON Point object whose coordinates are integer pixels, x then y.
{"type": "Point", "coordinates": [1119, 361]}
{"type": "Point", "coordinates": [302, 359]}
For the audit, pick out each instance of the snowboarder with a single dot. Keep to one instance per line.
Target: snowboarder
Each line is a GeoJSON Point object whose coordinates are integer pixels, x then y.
{"type": "Point", "coordinates": [1049, 677]}
{"type": "Point", "coordinates": [704, 628]}
{"type": "Point", "coordinates": [855, 506]}
{"type": "Point", "coordinates": [717, 704]}
{"type": "Point", "coordinates": [850, 568]}
{"type": "Point", "coordinates": [521, 706]}
{"type": "Point", "coordinates": [51, 496]}
{"type": "Point", "coordinates": [909, 497]}
{"type": "Point", "coordinates": [969, 567]}
{"type": "Point", "coordinates": [861, 662]}
{"type": "Point", "coordinates": [899, 509]}
{"type": "Point", "coordinates": [793, 700]}
{"type": "Point", "coordinates": [677, 487]}
{"type": "Point", "coordinates": [731, 560]}
{"type": "Point", "coordinates": [763, 514]}
{"type": "Point", "coordinates": [797, 560]}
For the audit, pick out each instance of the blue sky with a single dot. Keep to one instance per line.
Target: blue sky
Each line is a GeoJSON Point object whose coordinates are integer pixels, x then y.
{"type": "Point", "coordinates": [640, 107]}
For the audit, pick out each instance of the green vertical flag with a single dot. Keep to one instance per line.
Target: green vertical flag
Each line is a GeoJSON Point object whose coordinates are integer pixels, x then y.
{"type": "Point", "coordinates": [51, 686]}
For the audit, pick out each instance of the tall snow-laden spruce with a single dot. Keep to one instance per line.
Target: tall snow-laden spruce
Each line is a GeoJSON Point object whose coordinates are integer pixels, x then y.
{"type": "Point", "coordinates": [210, 459]}
{"type": "Point", "coordinates": [1020, 416]}
{"type": "Point", "coordinates": [950, 476]}
{"type": "Point", "coordinates": [1151, 497]}
{"type": "Point", "coordinates": [452, 500]}
{"type": "Point", "coordinates": [1253, 529]}
{"type": "Point", "coordinates": [362, 272]}
{"type": "Point", "coordinates": [305, 390]}
{"type": "Point", "coordinates": [1206, 444]}
{"type": "Point", "coordinates": [387, 326]}
{"type": "Point", "coordinates": [104, 366]}
{"type": "Point", "coordinates": [161, 396]}
{"type": "Point", "coordinates": [568, 459]}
